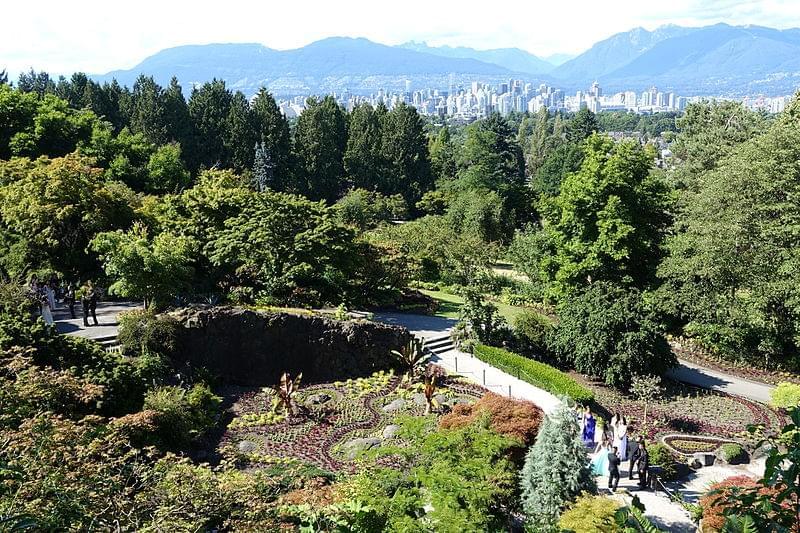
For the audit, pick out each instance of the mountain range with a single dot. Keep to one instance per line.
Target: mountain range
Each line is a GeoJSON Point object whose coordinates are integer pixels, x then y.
{"type": "Point", "coordinates": [711, 60]}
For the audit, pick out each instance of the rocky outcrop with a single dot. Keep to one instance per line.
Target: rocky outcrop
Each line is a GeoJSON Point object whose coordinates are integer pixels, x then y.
{"type": "Point", "coordinates": [246, 347]}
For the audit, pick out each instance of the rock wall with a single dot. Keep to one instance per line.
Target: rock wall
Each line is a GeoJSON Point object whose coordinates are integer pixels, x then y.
{"type": "Point", "coordinates": [247, 347]}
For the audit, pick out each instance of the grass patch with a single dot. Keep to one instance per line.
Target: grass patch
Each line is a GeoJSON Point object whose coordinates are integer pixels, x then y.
{"type": "Point", "coordinates": [450, 305]}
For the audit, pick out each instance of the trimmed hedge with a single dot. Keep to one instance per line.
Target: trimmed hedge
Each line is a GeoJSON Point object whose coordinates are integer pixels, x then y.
{"type": "Point", "coordinates": [538, 374]}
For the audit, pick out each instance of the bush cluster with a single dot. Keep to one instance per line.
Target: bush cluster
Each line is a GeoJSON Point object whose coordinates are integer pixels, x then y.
{"type": "Point", "coordinates": [517, 419]}
{"type": "Point", "coordinates": [732, 453]}
{"type": "Point", "coordinates": [182, 414]}
{"type": "Point", "coordinates": [785, 395]}
{"type": "Point", "coordinates": [660, 455]}
{"type": "Point", "coordinates": [534, 372]}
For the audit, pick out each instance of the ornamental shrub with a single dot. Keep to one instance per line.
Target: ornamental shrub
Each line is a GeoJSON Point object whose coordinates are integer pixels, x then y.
{"type": "Point", "coordinates": [531, 330]}
{"type": "Point", "coordinates": [785, 395]}
{"type": "Point", "coordinates": [732, 453]}
{"type": "Point", "coordinates": [591, 514]}
{"type": "Point", "coordinates": [517, 419]}
{"type": "Point", "coordinates": [661, 456]}
{"type": "Point", "coordinates": [534, 372]}
{"type": "Point", "coordinates": [182, 414]}
{"type": "Point", "coordinates": [713, 503]}
{"type": "Point", "coordinates": [556, 470]}
{"type": "Point", "coordinates": [143, 331]}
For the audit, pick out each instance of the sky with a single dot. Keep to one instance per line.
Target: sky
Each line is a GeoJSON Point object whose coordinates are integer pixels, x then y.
{"type": "Point", "coordinates": [98, 36]}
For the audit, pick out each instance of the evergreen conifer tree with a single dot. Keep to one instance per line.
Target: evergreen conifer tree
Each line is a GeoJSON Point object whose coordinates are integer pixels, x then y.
{"type": "Point", "coordinates": [556, 470]}
{"type": "Point", "coordinates": [263, 168]}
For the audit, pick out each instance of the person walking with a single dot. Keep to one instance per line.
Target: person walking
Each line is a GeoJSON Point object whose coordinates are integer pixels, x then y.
{"type": "Point", "coordinates": [633, 452]}
{"type": "Point", "coordinates": [47, 314]}
{"type": "Point", "coordinates": [588, 428]}
{"type": "Point", "coordinates": [643, 463]}
{"type": "Point", "coordinates": [89, 303]}
{"type": "Point", "coordinates": [600, 459]}
{"type": "Point", "coordinates": [69, 299]}
{"type": "Point", "coordinates": [613, 469]}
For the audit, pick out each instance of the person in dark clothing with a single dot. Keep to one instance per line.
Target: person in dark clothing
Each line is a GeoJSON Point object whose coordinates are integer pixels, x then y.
{"type": "Point", "coordinates": [69, 299]}
{"type": "Point", "coordinates": [89, 303]}
{"type": "Point", "coordinates": [635, 449]}
{"type": "Point", "coordinates": [644, 463]}
{"type": "Point", "coordinates": [613, 469]}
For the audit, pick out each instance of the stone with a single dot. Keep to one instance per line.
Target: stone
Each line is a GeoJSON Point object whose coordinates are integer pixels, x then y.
{"type": "Point", "coordinates": [761, 451]}
{"type": "Point", "coordinates": [318, 399]}
{"type": "Point", "coordinates": [390, 431]}
{"type": "Point", "coordinates": [441, 399]}
{"type": "Point", "coordinates": [253, 348]}
{"type": "Point", "coordinates": [394, 406]}
{"type": "Point", "coordinates": [354, 447]}
{"type": "Point", "coordinates": [705, 459]}
{"type": "Point", "coordinates": [247, 446]}
{"type": "Point", "coordinates": [419, 399]}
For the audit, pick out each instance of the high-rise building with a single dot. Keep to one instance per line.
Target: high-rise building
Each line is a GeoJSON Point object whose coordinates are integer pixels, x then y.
{"type": "Point", "coordinates": [596, 91]}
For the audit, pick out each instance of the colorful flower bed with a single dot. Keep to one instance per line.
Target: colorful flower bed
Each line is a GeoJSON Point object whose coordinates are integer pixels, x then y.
{"type": "Point", "coordinates": [688, 410]}
{"type": "Point", "coordinates": [689, 444]}
{"type": "Point", "coordinates": [334, 414]}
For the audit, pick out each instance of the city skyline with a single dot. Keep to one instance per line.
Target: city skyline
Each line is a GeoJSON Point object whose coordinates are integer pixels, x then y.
{"type": "Point", "coordinates": [53, 41]}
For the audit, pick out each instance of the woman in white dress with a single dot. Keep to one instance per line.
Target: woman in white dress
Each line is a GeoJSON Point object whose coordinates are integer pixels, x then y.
{"type": "Point", "coordinates": [621, 438]}
{"type": "Point", "coordinates": [47, 315]}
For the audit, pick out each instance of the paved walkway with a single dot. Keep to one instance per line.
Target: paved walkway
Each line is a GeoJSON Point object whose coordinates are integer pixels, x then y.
{"type": "Point", "coordinates": [714, 379]}
{"type": "Point", "coordinates": [107, 315]}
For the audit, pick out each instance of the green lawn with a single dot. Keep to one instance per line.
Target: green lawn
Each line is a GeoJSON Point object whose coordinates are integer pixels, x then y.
{"type": "Point", "coordinates": [450, 304]}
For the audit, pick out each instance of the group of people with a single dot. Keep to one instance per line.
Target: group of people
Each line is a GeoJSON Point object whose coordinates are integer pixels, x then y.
{"type": "Point", "coordinates": [611, 447]}
{"type": "Point", "coordinates": [47, 293]}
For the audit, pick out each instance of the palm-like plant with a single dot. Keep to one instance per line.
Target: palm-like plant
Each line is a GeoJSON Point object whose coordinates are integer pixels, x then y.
{"type": "Point", "coordinates": [285, 391]}
{"type": "Point", "coordinates": [412, 357]}
{"type": "Point", "coordinates": [429, 390]}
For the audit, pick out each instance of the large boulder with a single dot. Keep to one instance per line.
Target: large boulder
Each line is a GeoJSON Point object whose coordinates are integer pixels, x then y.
{"type": "Point", "coordinates": [247, 347]}
{"type": "Point", "coordinates": [354, 447]}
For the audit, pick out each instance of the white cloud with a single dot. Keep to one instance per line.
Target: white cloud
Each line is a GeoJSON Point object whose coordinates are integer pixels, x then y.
{"type": "Point", "coordinates": [97, 36]}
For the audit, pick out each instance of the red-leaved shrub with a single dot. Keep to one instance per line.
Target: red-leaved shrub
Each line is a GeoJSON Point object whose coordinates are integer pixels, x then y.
{"type": "Point", "coordinates": [517, 419]}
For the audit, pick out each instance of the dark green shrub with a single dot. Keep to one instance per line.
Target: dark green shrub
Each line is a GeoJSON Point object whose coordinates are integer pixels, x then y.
{"type": "Point", "coordinates": [536, 373]}
{"type": "Point", "coordinates": [142, 331]}
{"type": "Point", "coordinates": [610, 332]}
{"type": "Point", "coordinates": [661, 456]}
{"type": "Point", "coordinates": [123, 387]}
{"type": "Point", "coordinates": [733, 453]}
{"type": "Point", "coordinates": [531, 330]}
{"type": "Point", "coordinates": [182, 414]}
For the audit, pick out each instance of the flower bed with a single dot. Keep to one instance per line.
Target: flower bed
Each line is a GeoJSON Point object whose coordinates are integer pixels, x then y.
{"type": "Point", "coordinates": [336, 413]}
{"type": "Point", "coordinates": [686, 410]}
{"type": "Point", "coordinates": [690, 444]}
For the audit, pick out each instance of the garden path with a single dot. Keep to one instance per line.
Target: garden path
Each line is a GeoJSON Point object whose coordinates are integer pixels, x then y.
{"type": "Point", "coordinates": [708, 378]}
{"type": "Point", "coordinates": [107, 317]}
{"type": "Point", "coordinates": [686, 372]}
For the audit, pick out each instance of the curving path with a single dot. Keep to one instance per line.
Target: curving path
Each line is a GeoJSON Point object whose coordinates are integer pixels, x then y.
{"type": "Point", "coordinates": [708, 378]}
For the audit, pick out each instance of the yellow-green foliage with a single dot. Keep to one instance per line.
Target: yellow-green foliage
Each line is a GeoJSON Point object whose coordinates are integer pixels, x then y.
{"type": "Point", "coordinates": [591, 514]}
{"type": "Point", "coordinates": [785, 395]}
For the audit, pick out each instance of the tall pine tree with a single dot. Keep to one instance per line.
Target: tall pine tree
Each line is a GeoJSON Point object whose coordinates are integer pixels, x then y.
{"type": "Point", "coordinates": [272, 129]}
{"type": "Point", "coordinates": [320, 140]}
{"type": "Point", "coordinates": [363, 160]}
{"type": "Point", "coordinates": [209, 106]}
{"type": "Point", "coordinates": [556, 470]}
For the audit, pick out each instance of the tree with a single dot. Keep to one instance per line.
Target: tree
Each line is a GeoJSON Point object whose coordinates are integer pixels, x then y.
{"type": "Point", "coordinates": [607, 223]}
{"type": "Point", "coordinates": [608, 331]}
{"type": "Point", "coordinates": [363, 158]}
{"type": "Point", "coordinates": [3, 77]}
{"type": "Point", "coordinates": [733, 268]}
{"type": "Point", "coordinates": [240, 134]}
{"type": "Point", "coordinates": [405, 150]}
{"type": "Point", "coordinates": [582, 126]}
{"type": "Point", "coordinates": [563, 160]}
{"type": "Point", "coordinates": [556, 470]}
{"type": "Point", "coordinates": [263, 168]}
{"type": "Point", "coordinates": [176, 115]}
{"type": "Point", "coordinates": [646, 389]}
{"type": "Point", "coordinates": [154, 270]}
{"type": "Point", "coordinates": [320, 140]}
{"type": "Point", "coordinates": [272, 129]}
{"type": "Point", "coordinates": [38, 83]}
{"type": "Point", "coordinates": [17, 110]}
{"type": "Point", "coordinates": [209, 106]}
{"type": "Point", "coordinates": [165, 170]}
{"type": "Point", "coordinates": [443, 159]}
{"type": "Point", "coordinates": [147, 110]}
{"type": "Point", "coordinates": [58, 205]}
